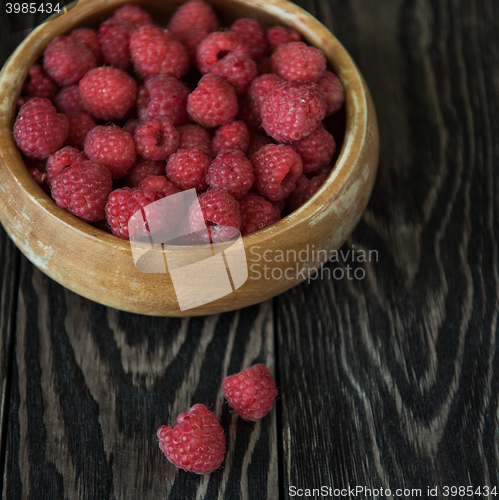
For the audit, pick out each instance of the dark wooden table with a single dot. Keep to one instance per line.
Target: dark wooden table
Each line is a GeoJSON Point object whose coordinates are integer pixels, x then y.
{"type": "Point", "coordinates": [388, 382]}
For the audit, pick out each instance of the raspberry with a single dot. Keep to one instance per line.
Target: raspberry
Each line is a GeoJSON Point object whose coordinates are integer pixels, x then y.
{"type": "Point", "coordinates": [326, 169]}
{"type": "Point", "coordinates": [251, 32]}
{"type": "Point", "coordinates": [292, 110]}
{"type": "Point", "coordinates": [218, 210]}
{"type": "Point", "coordinates": [316, 150]}
{"type": "Point", "coordinates": [279, 35]}
{"type": "Point", "coordinates": [39, 130]}
{"type": "Point", "coordinates": [114, 37]}
{"type": "Point", "coordinates": [113, 147]}
{"type": "Point", "coordinates": [257, 141]}
{"type": "Point", "coordinates": [83, 189]}
{"type": "Point", "coordinates": [187, 169]}
{"type": "Point", "coordinates": [143, 100]}
{"type": "Point", "coordinates": [131, 125]}
{"type": "Point", "coordinates": [39, 176]}
{"type": "Point", "coordinates": [217, 45]}
{"type": "Point", "coordinates": [168, 97]}
{"type": "Point", "coordinates": [195, 14]}
{"type": "Point", "coordinates": [247, 114]}
{"type": "Point", "coordinates": [68, 100]}
{"type": "Point", "coordinates": [157, 139]}
{"type": "Point", "coordinates": [333, 91]}
{"type": "Point", "coordinates": [39, 84]}
{"type": "Point", "coordinates": [305, 189]}
{"type": "Point", "coordinates": [79, 124]}
{"type": "Point", "coordinates": [232, 171]}
{"type": "Point", "coordinates": [196, 442]}
{"type": "Point", "coordinates": [194, 136]}
{"type": "Point", "coordinates": [192, 40]}
{"type": "Point", "coordinates": [133, 14]}
{"type": "Point", "coordinates": [213, 102]}
{"type": "Point", "coordinates": [62, 159]}
{"type": "Point", "coordinates": [123, 203]}
{"type": "Point", "coordinates": [251, 393]}
{"type": "Point", "coordinates": [238, 69]}
{"type": "Point", "coordinates": [298, 61]}
{"type": "Point", "coordinates": [107, 93]}
{"type": "Point", "coordinates": [277, 167]}
{"type": "Point", "coordinates": [154, 51]}
{"type": "Point", "coordinates": [259, 88]}
{"type": "Point", "coordinates": [67, 60]}
{"type": "Point", "coordinates": [257, 213]}
{"type": "Point", "coordinates": [159, 183]}
{"type": "Point", "coordinates": [142, 169]}
{"type": "Point", "coordinates": [233, 135]}
{"type": "Point", "coordinates": [89, 37]}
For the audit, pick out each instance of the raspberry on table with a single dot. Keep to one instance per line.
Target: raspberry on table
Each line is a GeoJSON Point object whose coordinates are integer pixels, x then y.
{"type": "Point", "coordinates": [194, 136]}
{"type": "Point", "coordinates": [333, 91]}
{"type": "Point", "coordinates": [305, 189]}
{"type": "Point", "coordinates": [39, 130]}
{"type": "Point", "coordinates": [83, 189]}
{"type": "Point", "coordinates": [68, 100]}
{"type": "Point", "coordinates": [79, 124]}
{"type": "Point", "coordinates": [61, 159]}
{"type": "Point", "coordinates": [157, 139]}
{"type": "Point", "coordinates": [298, 61]}
{"type": "Point", "coordinates": [233, 135]}
{"type": "Point", "coordinates": [192, 15]}
{"type": "Point", "coordinates": [89, 37]}
{"type": "Point", "coordinates": [259, 88]}
{"type": "Point", "coordinates": [238, 69]}
{"type": "Point", "coordinates": [66, 60]}
{"type": "Point", "coordinates": [251, 393]}
{"type": "Point", "coordinates": [142, 169]}
{"type": "Point", "coordinates": [133, 14]}
{"type": "Point", "coordinates": [232, 171]}
{"type": "Point", "coordinates": [196, 442]}
{"type": "Point", "coordinates": [159, 183]}
{"type": "Point", "coordinates": [38, 84]}
{"type": "Point", "coordinates": [187, 169]}
{"type": "Point", "coordinates": [251, 32]}
{"type": "Point", "coordinates": [213, 102]}
{"type": "Point", "coordinates": [154, 51]}
{"type": "Point", "coordinates": [277, 168]}
{"type": "Point", "coordinates": [279, 35]}
{"type": "Point", "coordinates": [292, 110]}
{"type": "Point", "coordinates": [113, 147]}
{"type": "Point", "coordinates": [107, 93]}
{"type": "Point", "coordinates": [123, 203]}
{"type": "Point", "coordinates": [315, 150]}
{"type": "Point", "coordinates": [114, 37]}
{"type": "Point", "coordinates": [257, 141]}
{"type": "Point", "coordinates": [216, 217]}
{"type": "Point", "coordinates": [257, 213]}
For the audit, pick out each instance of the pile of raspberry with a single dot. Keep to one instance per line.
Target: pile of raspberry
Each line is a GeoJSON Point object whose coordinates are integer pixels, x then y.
{"type": "Point", "coordinates": [115, 118]}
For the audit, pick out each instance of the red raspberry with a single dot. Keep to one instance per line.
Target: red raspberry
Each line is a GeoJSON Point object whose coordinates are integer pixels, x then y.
{"type": "Point", "coordinates": [67, 60]}
{"type": "Point", "coordinates": [233, 135]}
{"type": "Point", "coordinates": [154, 51]}
{"type": "Point", "coordinates": [192, 40]}
{"type": "Point", "coordinates": [277, 167]}
{"type": "Point", "coordinates": [194, 136]}
{"type": "Point", "coordinates": [62, 159]}
{"type": "Point", "coordinates": [253, 34]}
{"type": "Point", "coordinates": [187, 169]}
{"type": "Point", "coordinates": [232, 171]}
{"type": "Point", "coordinates": [292, 110]}
{"type": "Point", "coordinates": [107, 93]}
{"type": "Point", "coordinates": [142, 169]}
{"type": "Point", "coordinates": [168, 97]}
{"type": "Point", "coordinates": [39, 130]}
{"type": "Point", "coordinates": [257, 213]}
{"type": "Point", "coordinates": [257, 141]}
{"type": "Point", "coordinates": [131, 125]}
{"type": "Point", "coordinates": [247, 115]}
{"type": "Point", "coordinates": [250, 393]}
{"type": "Point", "coordinates": [213, 102]}
{"type": "Point", "coordinates": [159, 183]}
{"type": "Point", "coordinates": [83, 189]}
{"type": "Point", "coordinates": [259, 88]}
{"type": "Point", "coordinates": [326, 169]}
{"type": "Point", "coordinates": [279, 35]}
{"type": "Point", "coordinates": [196, 442]}
{"type": "Point", "coordinates": [79, 125]}
{"type": "Point", "coordinates": [305, 189]}
{"type": "Point", "coordinates": [298, 61]}
{"type": "Point", "coordinates": [38, 84]}
{"type": "Point", "coordinates": [195, 14]}
{"type": "Point", "coordinates": [68, 100]}
{"type": "Point", "coordinates": [89, 37]}
{"type": "Point", "coordinates": [123, 203]}
{"type": "Point", "coordinates": [316, 150]}
{"type": "Point", "coordinates": [113, 147]}
{"type": "Point", "coordinates": [157, 139]}
{"type": "Point", "coordinates": [143, 100]}
{"type": "Point", "coordinates": [333, 91]}
{"type": "Point", "coordinates": [114, 37]}
{"type": "Point", "coordinates": [218, 210]}
{"type": "Point", "coordinates": [238, 69]}
{"type": "Point", "coordinates": [217, 45]}
{"type": "Point", "coordinates": [39, 176]}
{"type": "Point", "coordinates": [133, 14]}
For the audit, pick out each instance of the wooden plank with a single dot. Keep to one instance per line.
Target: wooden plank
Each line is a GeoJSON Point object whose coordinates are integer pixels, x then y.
{"type": "Point", "coordinates": [392, 381]}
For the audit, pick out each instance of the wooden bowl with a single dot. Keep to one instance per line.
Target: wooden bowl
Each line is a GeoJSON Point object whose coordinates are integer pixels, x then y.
{"type": "Point", "coordinates": [99, 266]}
